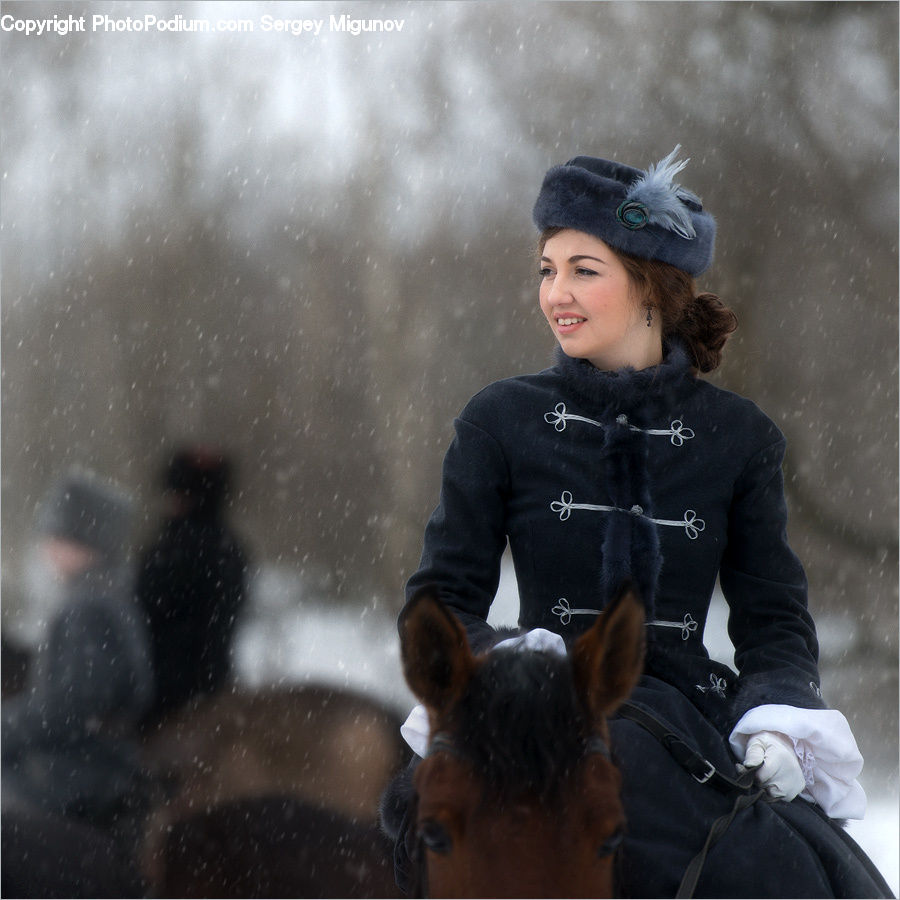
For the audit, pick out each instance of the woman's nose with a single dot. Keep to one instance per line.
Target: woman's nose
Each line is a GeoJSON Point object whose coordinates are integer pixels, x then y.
{"type": "Point", "coordinates": [559, 293]}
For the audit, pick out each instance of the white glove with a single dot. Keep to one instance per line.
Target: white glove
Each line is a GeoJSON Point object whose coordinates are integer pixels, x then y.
{"type": "Point", "coordinates": [829, 758]}
{"type": "Point", "coordinates": [778, 772]}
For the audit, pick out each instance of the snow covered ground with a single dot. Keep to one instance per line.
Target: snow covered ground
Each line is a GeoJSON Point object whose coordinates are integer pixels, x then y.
{"type": "Point", "coordinates": [289, 636]}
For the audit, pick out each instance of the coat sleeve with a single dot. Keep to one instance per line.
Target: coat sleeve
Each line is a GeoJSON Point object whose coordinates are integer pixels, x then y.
{"type": "Point", "coordinates": [776, 650]}
{"type": "Point", "coordinates": [466, 534]}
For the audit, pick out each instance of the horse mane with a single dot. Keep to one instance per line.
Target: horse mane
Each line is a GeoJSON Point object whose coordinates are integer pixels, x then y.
{"type": "Point", "coordinates": [522, 724]}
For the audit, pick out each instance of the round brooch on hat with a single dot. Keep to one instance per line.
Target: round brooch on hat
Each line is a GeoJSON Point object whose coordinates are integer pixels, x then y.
{"type": "Point", "coordinates": [632, 215]}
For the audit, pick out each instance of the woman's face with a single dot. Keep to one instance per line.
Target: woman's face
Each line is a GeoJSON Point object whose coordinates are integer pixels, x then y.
{"type": "Point", "coordinates": [592, 307]}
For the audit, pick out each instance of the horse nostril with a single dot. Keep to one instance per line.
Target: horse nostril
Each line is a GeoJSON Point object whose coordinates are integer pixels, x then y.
{"type": "Point", "coordinates": [435, 836]}
{"type": "Point", "coordinates": [611, 844]}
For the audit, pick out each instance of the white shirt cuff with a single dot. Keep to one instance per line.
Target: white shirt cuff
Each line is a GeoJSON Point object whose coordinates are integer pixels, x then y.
{"type": "Point", "coordinates": [825, 747]}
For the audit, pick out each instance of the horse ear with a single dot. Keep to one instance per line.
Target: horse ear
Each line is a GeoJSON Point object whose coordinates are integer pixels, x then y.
{"type": "Point", "coordinates": [437, 659]}
{"type": "Point", "coordinates": [608, 658]}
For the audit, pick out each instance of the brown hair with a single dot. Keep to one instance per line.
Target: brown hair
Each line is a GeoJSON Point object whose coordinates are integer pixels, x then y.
{"type": "Point", "coordinates": [702, 321]}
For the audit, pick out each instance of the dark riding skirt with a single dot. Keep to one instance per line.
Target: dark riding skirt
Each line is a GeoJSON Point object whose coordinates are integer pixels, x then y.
{"type": "Point", "coordinates": [768, 849]}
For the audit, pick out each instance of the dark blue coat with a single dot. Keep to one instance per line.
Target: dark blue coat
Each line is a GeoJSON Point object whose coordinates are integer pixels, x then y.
{"type": "Point", "coordinates": [70, 740]}
{"type": "Point", "coordinates": [191, 586]}
{"type": "Point", "coordinates": [594, 476]}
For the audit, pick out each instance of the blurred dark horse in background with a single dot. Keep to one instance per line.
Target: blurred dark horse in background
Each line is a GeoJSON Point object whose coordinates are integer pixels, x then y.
{"type": "Point", "coordinates": [275, 846]}
{"type": "Point", "coordinates": [272, 793]}
{"type": "Point", "coordinates": [254, 793]}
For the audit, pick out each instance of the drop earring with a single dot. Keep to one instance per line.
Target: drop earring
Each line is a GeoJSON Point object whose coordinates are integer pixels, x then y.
{"type": "Point", "coordinates": [649, 316]}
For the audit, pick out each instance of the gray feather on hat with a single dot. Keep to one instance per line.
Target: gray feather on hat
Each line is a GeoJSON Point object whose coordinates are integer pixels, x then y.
{"type": "Point", "coordinates": [662, 199]}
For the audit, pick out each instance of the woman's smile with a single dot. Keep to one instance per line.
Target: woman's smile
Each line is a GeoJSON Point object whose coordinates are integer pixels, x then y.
{"type": "Point", "coordinates": [568, 324]}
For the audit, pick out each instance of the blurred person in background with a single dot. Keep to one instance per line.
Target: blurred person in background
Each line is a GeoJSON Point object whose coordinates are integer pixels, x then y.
{"type": "Point", "coordinates": [70, 744]}
{"type": "Point", "coordinates": [192, 582]}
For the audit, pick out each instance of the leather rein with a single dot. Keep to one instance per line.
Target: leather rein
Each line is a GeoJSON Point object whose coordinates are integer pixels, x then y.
{"type": "Point", "coordinates": [704, 772]}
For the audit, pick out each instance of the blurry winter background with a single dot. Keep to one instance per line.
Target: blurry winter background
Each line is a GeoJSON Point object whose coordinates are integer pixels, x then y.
{"type": "Point", "coordinates": [311, 250]}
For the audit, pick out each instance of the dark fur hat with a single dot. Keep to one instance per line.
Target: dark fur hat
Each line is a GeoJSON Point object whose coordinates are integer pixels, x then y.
{"type": "Point", "coordinates": [643, 213]}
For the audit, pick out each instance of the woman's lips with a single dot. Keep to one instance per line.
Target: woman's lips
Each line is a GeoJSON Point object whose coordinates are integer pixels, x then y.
{"type": "Point", "coordinates": [568, 324]}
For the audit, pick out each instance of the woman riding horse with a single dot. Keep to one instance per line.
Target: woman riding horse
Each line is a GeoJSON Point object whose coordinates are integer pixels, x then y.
{"type": "Point", "coordinates": [620, 461]}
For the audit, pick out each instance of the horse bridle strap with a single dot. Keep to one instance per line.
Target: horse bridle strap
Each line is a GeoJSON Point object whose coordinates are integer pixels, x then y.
{"type": "Point", "coordinates": [443, 741]}
{"type": "Point", "coordinates": [688, 758]}
{"type": "Point", "coordinates": [597, 744]}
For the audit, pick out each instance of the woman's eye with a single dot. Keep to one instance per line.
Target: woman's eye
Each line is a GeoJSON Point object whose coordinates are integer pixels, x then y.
{"type": "Point", "coordinates": [545, 272]}
{"type": "Point", "coordinates": [582, 271]}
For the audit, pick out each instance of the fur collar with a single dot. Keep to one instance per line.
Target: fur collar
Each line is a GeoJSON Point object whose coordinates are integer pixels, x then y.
{"type": "Point", "coordinates": [629, 389]}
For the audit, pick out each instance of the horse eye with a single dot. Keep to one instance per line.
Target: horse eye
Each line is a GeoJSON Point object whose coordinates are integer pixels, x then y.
{"type": "Point", "coordinates": [611, 844]}
{"type": "Point", "coordinates": [435, 836]}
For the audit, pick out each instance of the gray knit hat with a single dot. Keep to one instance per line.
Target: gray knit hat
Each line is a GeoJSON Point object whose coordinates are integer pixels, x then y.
{"type": "Point", "coordinates": [82, 507]}
{"type": "Point", "coordinates": [643, 213]}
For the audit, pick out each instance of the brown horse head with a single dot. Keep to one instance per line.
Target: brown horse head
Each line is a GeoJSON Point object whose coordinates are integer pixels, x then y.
{"type": "Point", "coordinates": [517, 796]}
